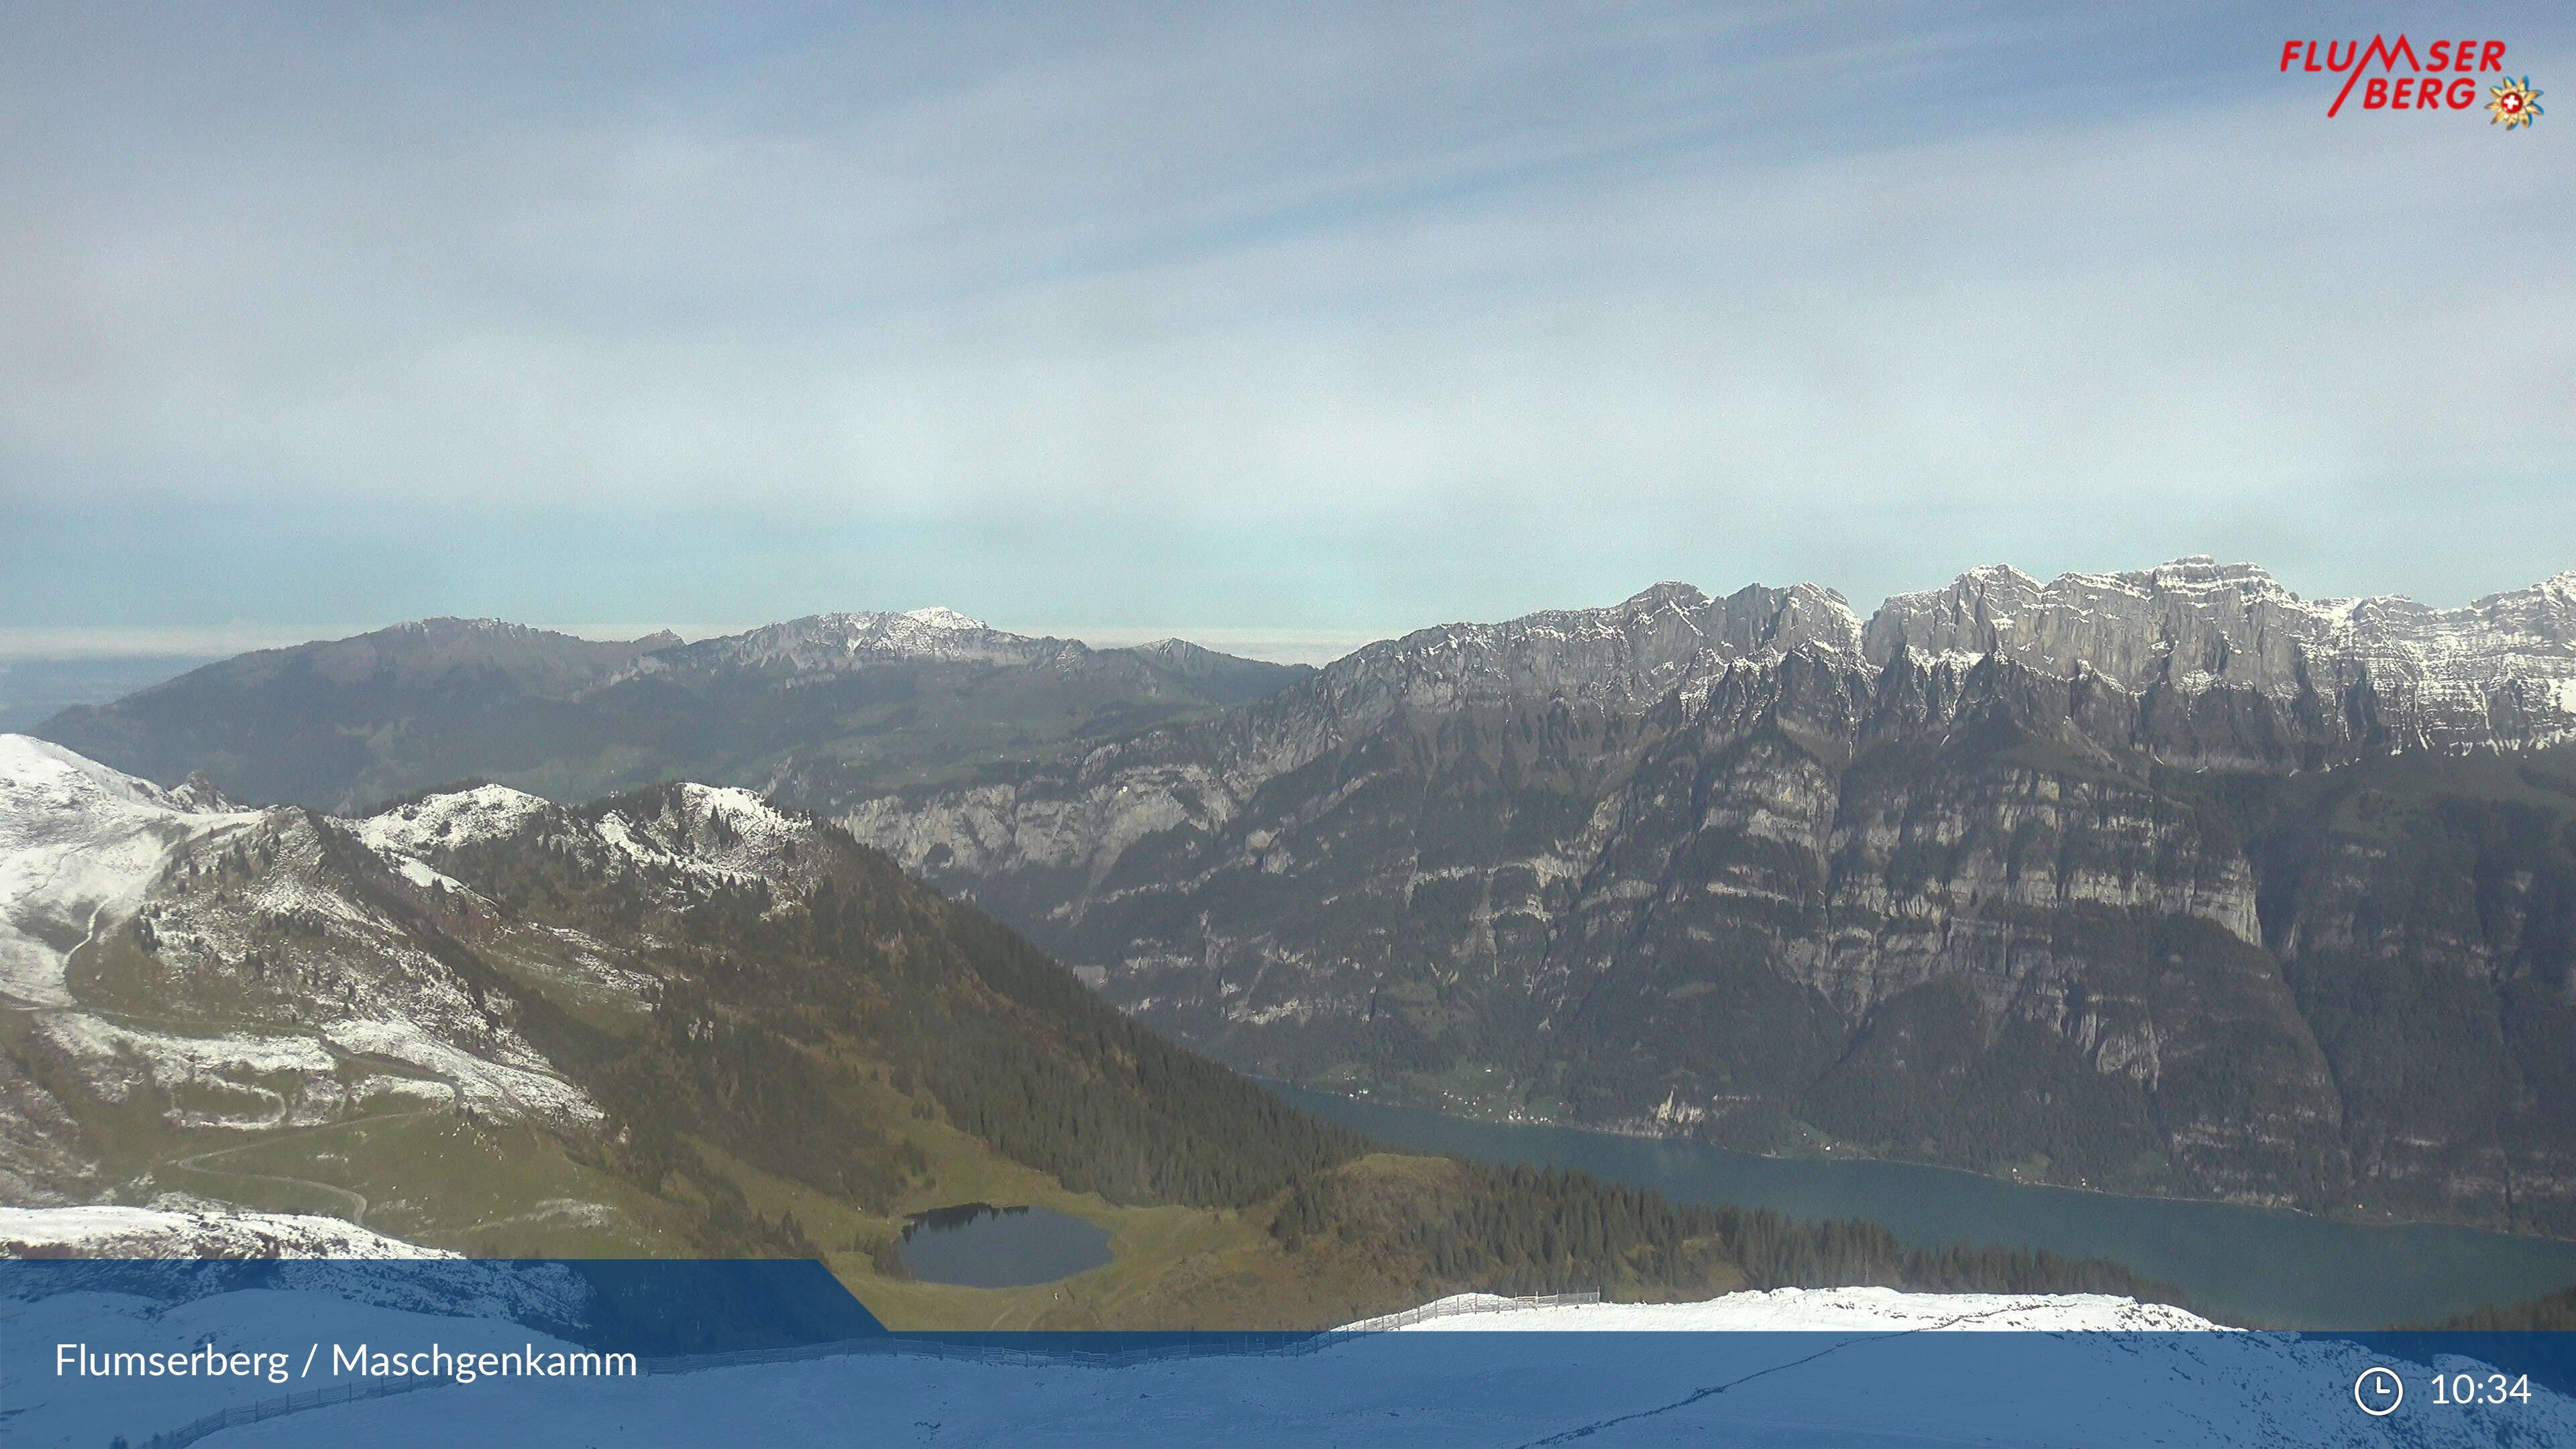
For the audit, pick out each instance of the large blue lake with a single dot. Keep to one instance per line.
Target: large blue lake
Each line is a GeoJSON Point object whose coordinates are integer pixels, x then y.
{"type": "Point", "coordinates": [2278, 1269]}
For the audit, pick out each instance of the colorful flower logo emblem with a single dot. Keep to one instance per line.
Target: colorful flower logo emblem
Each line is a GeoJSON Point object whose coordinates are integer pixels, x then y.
{"type": "Point", "coordinates": [2515, 104]}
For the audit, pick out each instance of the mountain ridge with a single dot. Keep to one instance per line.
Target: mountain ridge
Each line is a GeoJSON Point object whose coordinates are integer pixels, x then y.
{"type": "Point", "coordinates": [845, 702]}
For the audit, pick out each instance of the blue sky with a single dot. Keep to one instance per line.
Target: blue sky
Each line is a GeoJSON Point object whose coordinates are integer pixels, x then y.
{"type": "Point", "coordinates": [1290, 323]}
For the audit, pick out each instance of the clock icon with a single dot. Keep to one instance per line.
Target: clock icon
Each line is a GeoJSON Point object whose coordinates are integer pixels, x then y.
{"type": "Point", "coordinates": [2379, 1391]}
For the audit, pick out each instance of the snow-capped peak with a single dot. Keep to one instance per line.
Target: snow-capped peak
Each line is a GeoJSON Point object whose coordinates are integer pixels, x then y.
{"type": "Point", "coordinates": [445, 822]}
{"type": "Point", "coordinates": [831, 643]}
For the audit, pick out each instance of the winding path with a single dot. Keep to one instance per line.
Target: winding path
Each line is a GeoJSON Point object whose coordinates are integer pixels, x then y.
{"type": "Point", "coordinates": [358, 1212]}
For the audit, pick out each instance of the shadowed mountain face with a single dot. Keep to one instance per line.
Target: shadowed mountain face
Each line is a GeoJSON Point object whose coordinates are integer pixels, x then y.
{"type": "Point", "coordinates": [2167, 881]}
{"type": "Point", "coordinates": [843, 705]}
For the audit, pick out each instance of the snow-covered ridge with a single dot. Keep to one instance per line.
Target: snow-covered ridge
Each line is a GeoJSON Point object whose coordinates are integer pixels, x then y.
{"type": "Point", "coordinates": [832, 643]}
{"type": "Point", "coordinates": [940, 617]}
{"type": "Point", "coordinates": [1803, 1310]}
{"type": "Point", "coordinates": [1751, 620]}
{"type": "Point", "coordinates": [712, 831]}
{"type": "Point", "coordinates": [2501, 670]}
{"type": "Point", "coordinates": [706, 831]}
{"type": "Point", "coordinates": [347, 1009]}
{"type": "Point", "coordinates": [1626, 654]}
{"type": "Point", "coordinates": [450, 821]}
{"type": "Point", "coordinates": [41, 780]}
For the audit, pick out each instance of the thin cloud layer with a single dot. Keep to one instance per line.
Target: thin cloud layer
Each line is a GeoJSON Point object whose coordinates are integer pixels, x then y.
{"type": "Point", "coordinates": [1727, 294]}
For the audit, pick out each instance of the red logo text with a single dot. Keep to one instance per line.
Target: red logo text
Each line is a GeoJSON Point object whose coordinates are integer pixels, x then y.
{"type": "Point", "coordinates": [2436, 79]}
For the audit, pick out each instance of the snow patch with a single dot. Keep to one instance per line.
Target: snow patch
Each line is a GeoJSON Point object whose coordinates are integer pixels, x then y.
{"type": "Point", "coordinates": [936, 617]}
{"type": "Point", "coordinates": [488, 1087]}
{"type": "Point", "coordinates": [411, 869]}
{"type": "Point", "coordinates": [91, 1038]}
{"type": "Point", "coordinates": [137, 1232]}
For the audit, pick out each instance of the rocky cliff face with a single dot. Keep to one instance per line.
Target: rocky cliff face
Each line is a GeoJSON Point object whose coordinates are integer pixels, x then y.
{"type": "Point", "coordinates": [2349, 673]}
{"type": "Point", "coordinates": [2047, 879]}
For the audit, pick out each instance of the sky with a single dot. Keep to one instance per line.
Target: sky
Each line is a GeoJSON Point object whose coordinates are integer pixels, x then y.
{"type": "Point", "coordinates": [1279, 326]}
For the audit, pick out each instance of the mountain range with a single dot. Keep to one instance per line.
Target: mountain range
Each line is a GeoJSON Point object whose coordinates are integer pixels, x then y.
{"type": "Point", "coordinates": [850, 703]}
{"type": "Point", "coordinates": [2166, 881]}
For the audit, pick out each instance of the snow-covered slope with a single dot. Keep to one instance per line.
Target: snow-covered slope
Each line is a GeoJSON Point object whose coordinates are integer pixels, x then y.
{"type": "Point", "coordinates": [701, 833]}
{"type": "Point", "coordinates": [78, 844]}
{"type": "Point", "coordinates": [106, 1231]}
{"type": "Point", "coordinates": [709, 833]}
{"type": "Point", "coordinates": [254, 974]}
{"type": "Point", "coordinates": [1801, 1310]}
{"type": "Point", "coordinates": [375, 996]}
{"type": "Point", "coordinates": [234, 973]}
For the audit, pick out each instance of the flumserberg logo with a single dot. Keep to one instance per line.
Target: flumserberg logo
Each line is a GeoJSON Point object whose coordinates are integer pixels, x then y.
{"type": "Point", "coordinates": [2393, 75]}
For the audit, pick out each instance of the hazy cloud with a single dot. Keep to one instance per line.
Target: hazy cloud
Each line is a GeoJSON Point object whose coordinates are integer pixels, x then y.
{"type": "Point", "coordinates": [1588, 293]}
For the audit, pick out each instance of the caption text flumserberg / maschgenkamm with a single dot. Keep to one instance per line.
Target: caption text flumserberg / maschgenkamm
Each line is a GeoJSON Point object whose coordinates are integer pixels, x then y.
{"type": "Point", "coordinates": [79, 1360]}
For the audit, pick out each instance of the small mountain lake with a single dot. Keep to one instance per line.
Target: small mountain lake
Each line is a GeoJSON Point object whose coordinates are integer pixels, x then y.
{"type": "Point", "coordinates": [2268, 1267]}
{"type": "Point", "coordinates": [978, 1245]}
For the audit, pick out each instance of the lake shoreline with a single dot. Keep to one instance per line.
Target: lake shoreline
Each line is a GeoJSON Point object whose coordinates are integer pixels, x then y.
{"type": "Point", "coordinates": [1633, 1134]}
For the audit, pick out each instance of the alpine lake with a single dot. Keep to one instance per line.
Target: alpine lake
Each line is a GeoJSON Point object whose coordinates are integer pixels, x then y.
{"type": "Point", "coordinates": [978, 1245]}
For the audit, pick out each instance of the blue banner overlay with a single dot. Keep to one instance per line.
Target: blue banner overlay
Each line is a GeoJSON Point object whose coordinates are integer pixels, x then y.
{"type": "Point", "coordinates": [397, 1354]}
